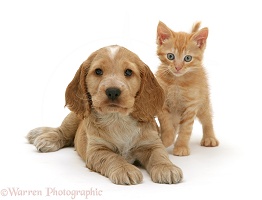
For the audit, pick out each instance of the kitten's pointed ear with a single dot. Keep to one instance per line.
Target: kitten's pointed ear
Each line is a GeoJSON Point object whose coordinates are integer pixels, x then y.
{"type": "Point", "coordinates": [200, 37]}
{"type": "Point", "coordinates": [163, 33]}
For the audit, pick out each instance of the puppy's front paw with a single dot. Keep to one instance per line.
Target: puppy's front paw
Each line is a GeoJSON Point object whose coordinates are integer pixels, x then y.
{"type": "Point", "coordinates": [126, 175]}
{"type": "Point", "coordinates": [166, 174]}
{"type": "Point", "coordinates": [33, 134]}
{"type": "Point", "coordinates": [48, 142]}
{"type": "Point", "coordinates": [47, 139]}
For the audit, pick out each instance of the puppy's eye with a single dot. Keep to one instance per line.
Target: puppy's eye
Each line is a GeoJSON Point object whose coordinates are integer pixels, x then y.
{"type": "Point", "coordinates": [128, 72]}
{"type": "Point", "coordinates": [99, 72]}
{"type": "Point", "coordinates": [170, 56]}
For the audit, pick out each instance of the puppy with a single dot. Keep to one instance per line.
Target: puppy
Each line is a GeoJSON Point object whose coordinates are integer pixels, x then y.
{"type": "Point", "coordinates": [113, 98]}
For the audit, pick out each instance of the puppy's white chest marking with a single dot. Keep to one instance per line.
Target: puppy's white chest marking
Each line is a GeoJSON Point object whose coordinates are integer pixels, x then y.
{"type": "Point", "coordinates": [123, 132]}
{"type": "Point", "coordinates": [112, 51]}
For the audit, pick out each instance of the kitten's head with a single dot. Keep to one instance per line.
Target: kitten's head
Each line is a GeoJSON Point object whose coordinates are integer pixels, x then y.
{"type": "Point", "coordinates": [181, 52]}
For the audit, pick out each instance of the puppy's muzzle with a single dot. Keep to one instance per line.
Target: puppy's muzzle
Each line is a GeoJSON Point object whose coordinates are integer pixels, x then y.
{"type": "Point", "coordinates": [113, 93]}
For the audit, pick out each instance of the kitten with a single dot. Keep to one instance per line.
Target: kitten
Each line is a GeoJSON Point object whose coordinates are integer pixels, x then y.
{"type": "Point", "coordinates": [184, 81]}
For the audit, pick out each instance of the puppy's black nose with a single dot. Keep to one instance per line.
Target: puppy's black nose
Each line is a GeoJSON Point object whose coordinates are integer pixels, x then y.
{"type": "Point", "coordinates": [113, 93]}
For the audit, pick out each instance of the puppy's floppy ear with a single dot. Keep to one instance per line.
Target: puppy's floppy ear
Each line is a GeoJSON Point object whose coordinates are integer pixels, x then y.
{"type": "Point", "coordinates": [76, 95]}
{"type": "Point", "coordinates": [150, 98]}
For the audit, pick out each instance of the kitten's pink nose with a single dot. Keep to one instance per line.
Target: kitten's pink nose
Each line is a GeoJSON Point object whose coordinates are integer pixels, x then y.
{"type": "Point", "coordinates": [178, 68]}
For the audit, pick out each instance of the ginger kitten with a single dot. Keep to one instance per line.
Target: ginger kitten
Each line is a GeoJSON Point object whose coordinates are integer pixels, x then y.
{"type": "Point", "coordinates": [184, 81]}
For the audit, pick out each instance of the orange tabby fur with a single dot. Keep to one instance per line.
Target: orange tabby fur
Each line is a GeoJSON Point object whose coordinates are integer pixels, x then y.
{"type": "Point", "coordinates": [184, 81]}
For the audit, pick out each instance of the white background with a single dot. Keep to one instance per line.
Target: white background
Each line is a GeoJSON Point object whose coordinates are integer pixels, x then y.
{"type": "Point", "coordinates": [42, 44]}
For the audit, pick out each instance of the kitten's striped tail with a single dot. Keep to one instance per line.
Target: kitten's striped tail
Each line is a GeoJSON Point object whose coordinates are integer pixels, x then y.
{"type": "Point", "coordinates": [195, 27]}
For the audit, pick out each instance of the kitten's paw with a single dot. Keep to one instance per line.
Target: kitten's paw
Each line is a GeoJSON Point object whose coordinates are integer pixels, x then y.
{"type": "Point", "coordinates": [209, 142]}
{"type": "Point", "coordinates": [181, 151]}
{"type": "Point", "coordinates": [167, 138]}
{"type": "Point", "coordinates": [126, 175]}
{"type": "Point", "coordinates": [166, 174]}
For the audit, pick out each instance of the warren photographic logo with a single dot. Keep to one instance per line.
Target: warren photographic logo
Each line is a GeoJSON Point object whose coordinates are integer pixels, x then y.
{"type": "Point", "coordinates": [51, 192]}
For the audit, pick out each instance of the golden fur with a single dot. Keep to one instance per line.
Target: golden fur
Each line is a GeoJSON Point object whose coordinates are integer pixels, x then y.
{"type": "Point", "coordinates": [184, 81]}
{"type": "Point", "coordinates": [113, 98]}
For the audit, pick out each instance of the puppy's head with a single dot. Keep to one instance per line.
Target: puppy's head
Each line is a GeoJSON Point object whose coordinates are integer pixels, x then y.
{"type": "Point", "coordinates": [114, 79]}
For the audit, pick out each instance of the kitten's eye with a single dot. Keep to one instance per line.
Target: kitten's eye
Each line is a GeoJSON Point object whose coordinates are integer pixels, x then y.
{"type": "Point", "coordinates": [170, 56]}
{"type": "Point", "coordinates": [128, 72]}
{"type": "Point", "coordinates": [187, 58]}
{"type": "Point", "coordinates": [99, 72]}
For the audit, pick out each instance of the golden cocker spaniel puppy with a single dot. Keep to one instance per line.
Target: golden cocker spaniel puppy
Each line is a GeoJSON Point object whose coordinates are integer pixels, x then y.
{"type": "Point", "coordinates": [113, 98]}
